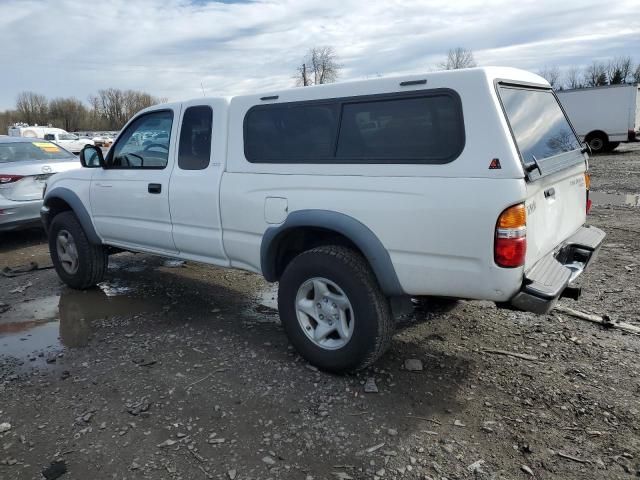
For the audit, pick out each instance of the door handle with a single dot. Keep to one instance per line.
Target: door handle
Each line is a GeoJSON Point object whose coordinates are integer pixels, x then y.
{"type": "Point", "coordinates": [154, 188]}
{"type": "Point", "coordinates": [104, 185]}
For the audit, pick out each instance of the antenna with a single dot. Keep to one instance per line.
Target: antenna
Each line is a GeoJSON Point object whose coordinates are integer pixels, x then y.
{"type": "Point", "coordinates": [202, 86]}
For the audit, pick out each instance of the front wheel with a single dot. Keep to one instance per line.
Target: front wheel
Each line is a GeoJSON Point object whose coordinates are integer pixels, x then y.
{"type": "Point", "coordinates": [333, 310]}
{"type": "Point", "coordinates": [78, 262]}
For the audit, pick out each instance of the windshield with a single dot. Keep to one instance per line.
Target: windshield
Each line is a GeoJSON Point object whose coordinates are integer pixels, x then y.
{"type": "Point", "coordinates": [39, 151]}
{"type": "Point", "coordinates": [67, 136]}
{"type": "Point", "coordinates": [539, 125]}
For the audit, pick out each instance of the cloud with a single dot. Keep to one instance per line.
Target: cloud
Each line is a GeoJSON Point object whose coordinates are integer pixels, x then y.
{"type": "Point", "coordinates": [174, 48]}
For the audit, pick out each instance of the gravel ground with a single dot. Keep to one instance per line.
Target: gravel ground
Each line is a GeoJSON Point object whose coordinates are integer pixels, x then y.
{"type": "Point", "coordinates": [172, 371]}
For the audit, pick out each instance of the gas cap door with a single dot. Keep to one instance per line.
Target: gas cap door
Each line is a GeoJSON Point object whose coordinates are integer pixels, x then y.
{"type": "Point", "coordinates": [276, 209]}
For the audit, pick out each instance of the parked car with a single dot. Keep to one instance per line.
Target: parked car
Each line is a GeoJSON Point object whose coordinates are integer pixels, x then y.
{"type": "Point", "coordinates": [102, 140]}
{"type": "Point", "coordinates": [25, 166]}
{"type": "Point", "coordinates": [354, 196]}
{"type": "Point", "coordinates": [604, 116]}
{"type": "Point", "coordinates": [66, 140]}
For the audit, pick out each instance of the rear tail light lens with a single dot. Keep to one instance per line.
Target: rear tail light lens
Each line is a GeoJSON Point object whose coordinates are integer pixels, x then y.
{"type": "Point", "coordinates": [4, 178]}
{"type": "Point", "coordinates": [587, 184]}
{"type": "Point", "coordinates": [510, 245]}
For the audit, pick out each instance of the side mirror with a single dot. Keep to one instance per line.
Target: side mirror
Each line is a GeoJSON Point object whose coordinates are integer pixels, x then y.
{"type": "Point", "coordinates": [586, 148]}
{"type": "Point", "coordinates": [91, 157]}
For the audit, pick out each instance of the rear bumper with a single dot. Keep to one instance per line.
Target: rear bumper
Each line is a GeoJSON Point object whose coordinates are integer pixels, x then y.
{"type": "Point", "coordinates": [552, 276]}
{"type": "Point", "coordinates": [15, 215]}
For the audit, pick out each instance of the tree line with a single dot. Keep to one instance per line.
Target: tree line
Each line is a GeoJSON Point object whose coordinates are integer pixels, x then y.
{"type": "Point", "coordinates": [615, 71]}
{"type": "Point", "coordinates": [321, 65]}
{"type": "Point", "coordinates": [109, 109]}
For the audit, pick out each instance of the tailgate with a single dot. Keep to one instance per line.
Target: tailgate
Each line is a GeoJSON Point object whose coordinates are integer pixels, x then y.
{"type": "Point", "coordinates": [553, 162]}
{"type": "Point", "coordinates": [556, 209]}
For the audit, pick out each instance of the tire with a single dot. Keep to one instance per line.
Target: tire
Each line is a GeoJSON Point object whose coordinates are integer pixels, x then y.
{"type": "Point", "coordinates": [362, 309]}
{"type": "Point", "coordinates": [598, 142]}
{"type": "Point", "coordinates": [66, 235]}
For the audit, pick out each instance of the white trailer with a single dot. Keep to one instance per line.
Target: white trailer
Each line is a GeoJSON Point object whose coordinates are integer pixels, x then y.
{"type": "Point", "coordinates": [604, 116]}
{"type": "Point", "coordinates": [61, 137]}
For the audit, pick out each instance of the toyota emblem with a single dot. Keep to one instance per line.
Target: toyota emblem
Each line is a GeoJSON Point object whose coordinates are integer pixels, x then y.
{"type": "Point", "coordinates": [46, 169]}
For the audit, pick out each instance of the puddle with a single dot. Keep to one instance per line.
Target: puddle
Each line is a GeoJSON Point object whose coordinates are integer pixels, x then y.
{"type": "Point", "coordinates": [268, 297]}
{"type": "Point", "coordinates": [626, 199]}
{"type": "Point", "coordinates": [35, 329]}
{"type": "Point", "coordinates": [174, 263]}
{"type": "Point", "coordinates": [266, 309]}
{"type": "Point", "coordinates": [114, 289]}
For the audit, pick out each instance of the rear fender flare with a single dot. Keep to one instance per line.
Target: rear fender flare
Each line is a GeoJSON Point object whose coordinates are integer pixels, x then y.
{"type": "Point", "coordinates": [367, 241]}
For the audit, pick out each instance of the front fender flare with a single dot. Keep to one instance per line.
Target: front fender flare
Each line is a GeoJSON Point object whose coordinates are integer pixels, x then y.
{"type": "Point", "coordinates": [367, 241]}
{"type": "Point", "coordinates": [78, 208]}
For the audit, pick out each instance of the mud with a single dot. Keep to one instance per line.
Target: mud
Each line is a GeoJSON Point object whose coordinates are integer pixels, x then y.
{"type": "Point", "coordinates": [182, 371]}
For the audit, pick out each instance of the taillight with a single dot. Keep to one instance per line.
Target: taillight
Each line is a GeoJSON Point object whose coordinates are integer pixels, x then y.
{"type": "Point", "coordinates": [587, 185]}
{"type": "Point", "coordinates": [511, 237]}
{"type": "Point", "coordinates": [5, 178]}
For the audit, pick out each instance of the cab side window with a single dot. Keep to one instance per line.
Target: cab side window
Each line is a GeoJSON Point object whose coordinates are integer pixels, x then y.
{"type": "Point", "coordinates": [145, 143]}
{"type": "Point", "coordinates": [49, 136]}
{"type": "Point", "coordinates": [194, 149]}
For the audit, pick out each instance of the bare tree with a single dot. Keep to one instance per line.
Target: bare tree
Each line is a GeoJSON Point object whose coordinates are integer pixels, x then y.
{"type": "Point", "coordinates": [595, 75]}
{"type": "Point", "coordinates": [115, 106]}
{"type": "Point", "coordinates": [109, 109]}
{"type": "Point", "coordinates": [458, 58]}
{"type": "Point", "coordinates": [70, 113]}
{"type": "Point", "coordinates": [32, 108]}
{"type": "Point", "coordinates": [319, 66]}
{"type": "Point", "coordinates": [551, 75]}
{"type": "Point", "coordinates": [636, 75]}
{"type": "Point", "coordinates": [618, 70]}
{"type": "Point", "coordinates": [572, 78]}
{"type": "Point", "coordinates": [7, 119]}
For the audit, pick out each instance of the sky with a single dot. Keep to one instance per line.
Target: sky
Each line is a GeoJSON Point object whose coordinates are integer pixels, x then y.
{"type": "Point", "coordinates": [178, 48]}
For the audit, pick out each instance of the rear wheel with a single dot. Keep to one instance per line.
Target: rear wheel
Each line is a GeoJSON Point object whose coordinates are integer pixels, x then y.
{"type": "Point", "coordinates": [333, 310]}
{"type": "Point", "coordinates": [78, 262]}
{"type": "Point", "coordinates": [597, 142]}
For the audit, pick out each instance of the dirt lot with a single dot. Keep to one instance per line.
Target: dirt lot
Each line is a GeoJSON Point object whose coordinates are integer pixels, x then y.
{"type": "Point", "coordinates": [183, 372]}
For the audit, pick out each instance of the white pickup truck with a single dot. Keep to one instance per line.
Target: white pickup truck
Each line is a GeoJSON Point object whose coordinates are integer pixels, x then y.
{"type": "Point", "coordinates": [354, 196]}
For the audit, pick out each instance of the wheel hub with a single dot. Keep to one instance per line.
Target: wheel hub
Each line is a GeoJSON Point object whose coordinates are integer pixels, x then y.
{"type": "Point", "coordinates": [67, 252]}
{"type": "Point", "coordinates": [324, 313]}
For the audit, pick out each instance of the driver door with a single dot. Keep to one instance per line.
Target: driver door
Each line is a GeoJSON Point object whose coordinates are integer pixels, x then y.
{"type": "Point", "coordinates": [129, 197]}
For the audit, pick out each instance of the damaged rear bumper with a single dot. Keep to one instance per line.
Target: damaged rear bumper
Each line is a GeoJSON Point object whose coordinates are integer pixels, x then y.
{"type": "Point", "coordinates": [552, 277]}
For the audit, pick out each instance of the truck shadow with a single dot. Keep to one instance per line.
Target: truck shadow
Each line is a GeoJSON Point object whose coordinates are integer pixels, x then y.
{"type": "Point", "coordinates": [15, 239]}
{"type": "Point", "coordinates": [205, 335]}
